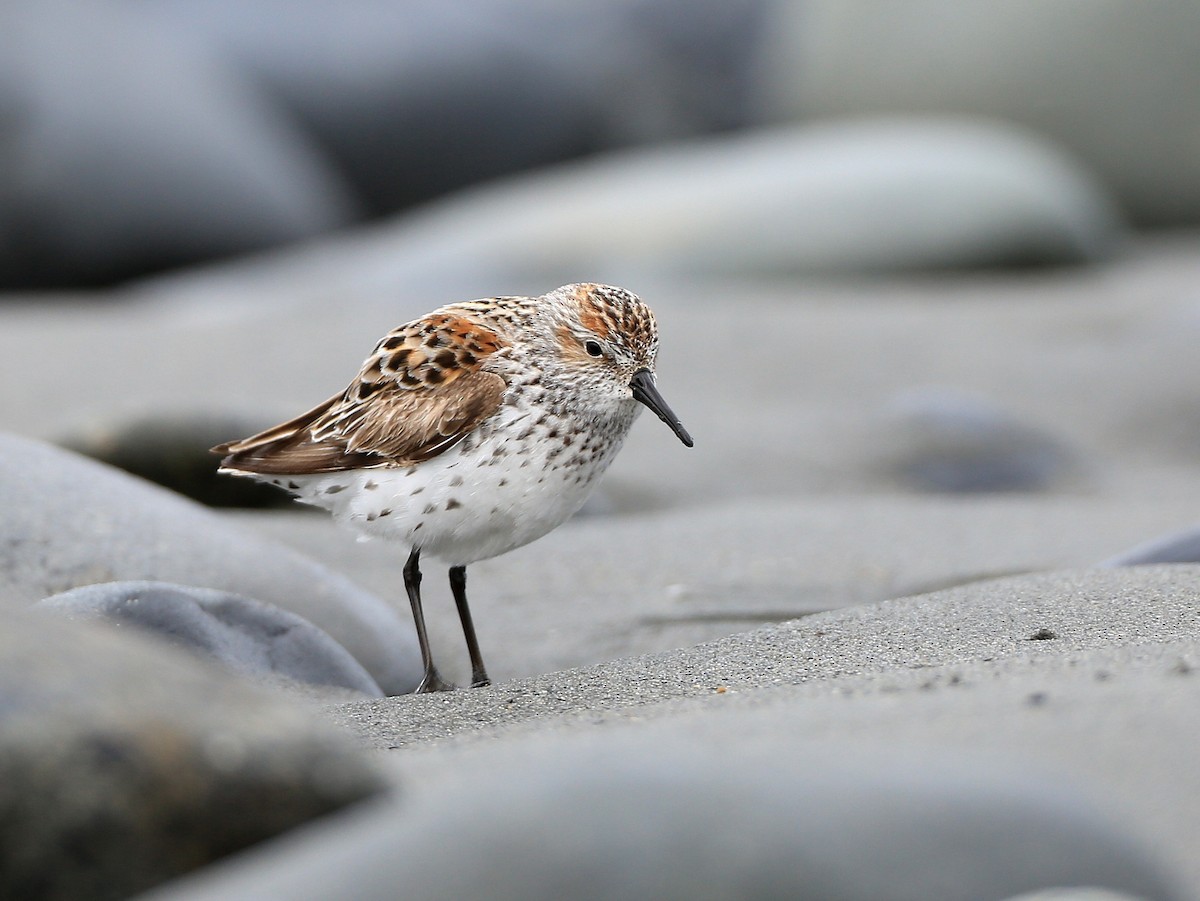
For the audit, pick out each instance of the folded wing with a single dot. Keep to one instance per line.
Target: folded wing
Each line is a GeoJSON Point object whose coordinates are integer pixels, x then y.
{"type": "Point", "coordinates": [420, 393]}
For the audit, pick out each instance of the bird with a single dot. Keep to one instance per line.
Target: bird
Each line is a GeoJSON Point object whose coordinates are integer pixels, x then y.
{"type": "Point", "coordinates": [471, 431]}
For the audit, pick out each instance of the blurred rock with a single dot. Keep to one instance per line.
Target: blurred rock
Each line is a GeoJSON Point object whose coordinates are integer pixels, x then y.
{"type": "Point", "coordinates": [1114, 83]}
{"type": "Point", "coordinates": [173, 451]}
{"type": "Point", "coordinates": [248, 636]}
{"type": "Point", "coordinates": [951, 441]}
{"type": "Point", "coordinates": [1074, 894]}
{"type": "Point", "coordinates": [871, 196]}
{"type": "Point", "coordinates": [620, 816]}
{"type": "Point", "coordinates": [851, 197]}
{"type": "Point", "coordinates": [70, 522]}
{"type": "Point", "coordinates": [123, 764]}
{"type": "Point", "coordinates": [1177, 547]}
{"type": "Point", "coordinates": [129, 146]}
{"type": "Point", "coordinates": [419, 98]}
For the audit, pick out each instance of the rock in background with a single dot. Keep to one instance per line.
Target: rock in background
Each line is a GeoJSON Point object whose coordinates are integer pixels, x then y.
{"type": "Point", "coordinates": [128, 146]}
{"type": "Point", "coordinates": [419, 99]}
{"type": "Point", "coordinates": [142, 136]}
{"type": "Point", "coordinates": [1115, 84]}
{"type": "Point", "coordinates": [174, 451]}
{"type": "Point", "coordinates": [870, 196]}
{"type": "Point", "coordinates": [941, 440]}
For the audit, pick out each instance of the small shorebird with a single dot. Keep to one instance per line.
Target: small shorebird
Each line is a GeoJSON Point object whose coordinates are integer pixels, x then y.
{"type": "Point", "coordinates": [472, 431]}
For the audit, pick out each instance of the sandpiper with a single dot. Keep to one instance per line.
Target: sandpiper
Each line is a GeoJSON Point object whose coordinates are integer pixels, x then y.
{"type": "Point", "coordinates": [472, 431]}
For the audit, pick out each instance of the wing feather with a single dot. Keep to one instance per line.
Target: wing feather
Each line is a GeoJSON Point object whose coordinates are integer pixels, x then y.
{"type": "Point", "coordinates": [421, 392]}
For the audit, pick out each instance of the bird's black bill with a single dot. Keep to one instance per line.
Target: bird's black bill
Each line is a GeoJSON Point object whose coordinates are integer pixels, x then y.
{"type": "Point", "coordinates": [645, 392]}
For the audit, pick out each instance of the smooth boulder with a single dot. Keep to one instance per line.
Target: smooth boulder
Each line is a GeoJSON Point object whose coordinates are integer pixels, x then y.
{"type": "Point", "coordinates": [247, 636]}
{"type": "Point", "coordinates": [869, 196]}
{"type": "Point", "coordinates": [71, 522]}
{"type": "Point", "coordinates": [1114, 83]}
{"type": "Point", "coordinates": [129, 146]}
{"type": "Point", "coordinates": [417, 99]}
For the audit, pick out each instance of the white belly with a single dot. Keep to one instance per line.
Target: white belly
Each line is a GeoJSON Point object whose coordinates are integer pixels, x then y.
{"type": "Point", "coordinates": [477, 500]}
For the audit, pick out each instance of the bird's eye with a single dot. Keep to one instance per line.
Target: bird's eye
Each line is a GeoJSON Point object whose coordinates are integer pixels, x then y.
{"type": "Point", "coordinates": [594, 349]}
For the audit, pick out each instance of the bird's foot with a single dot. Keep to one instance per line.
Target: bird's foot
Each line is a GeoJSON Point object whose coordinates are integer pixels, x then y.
{"type": "Point", "coordinates": [433, 681]}
{"type": "Point", "coordinates": [480, 680]}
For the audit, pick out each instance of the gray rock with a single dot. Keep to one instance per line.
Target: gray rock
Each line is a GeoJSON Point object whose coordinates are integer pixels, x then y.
{"type": "Point", "coordinates": [1177, 547]}
{"type": "Point", "coordinates": [70, 522]}
{"type": "Point", "coordinates": [248, 636]}
{"type": "Point", "coordinates": [629, 817]}
{"type": "Point", "coordinates": [420, 98]}
{"type": "Point", "coordinates": [1112, 82]}
{"type": "Point", "coordinates": [951, 441]}
{"type": "Point", "coordinates": [833, 198]}
{"type": "Point", "coordinates": [129, 145]}
{"type": "Point", "coordinates": [123, 764]}
{"type": "Point", "coordinates": [864, 196]}
{"type": "Point", "coordinates": [1074, 894]}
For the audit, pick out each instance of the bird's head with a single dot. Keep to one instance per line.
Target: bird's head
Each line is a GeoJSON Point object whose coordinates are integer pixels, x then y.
{"type": "Point", "coordinates": [607, 343]}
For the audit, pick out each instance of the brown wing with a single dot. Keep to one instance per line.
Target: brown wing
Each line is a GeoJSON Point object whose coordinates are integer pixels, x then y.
{"type": "Point", "coordinates": [420, 393]}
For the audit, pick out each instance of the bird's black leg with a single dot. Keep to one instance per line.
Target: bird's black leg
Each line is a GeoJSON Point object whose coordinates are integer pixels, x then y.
{"type": "Point", "coordinates": [458, 585]}
{"type": "Point", "coordinates": [412, 584]}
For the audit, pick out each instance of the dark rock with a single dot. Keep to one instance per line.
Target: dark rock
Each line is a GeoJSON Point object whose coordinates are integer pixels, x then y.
{"type": "Point", "coordinates": [130, 146]}
{"type": "Point", "coordinates": [248, 636]}
{"type": "Point", "coordinates": [69, 521]}
{"type": "Point", "coordinates": [666, 817]}
{"type": "Point", "coordinates": [950, 441]}
{"type": "Point", "coordinates": [123, 764]}
{"type": "Point", "coordinates": [419, 98]}
{"type": "Point", "coordinates": [174, 452]}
